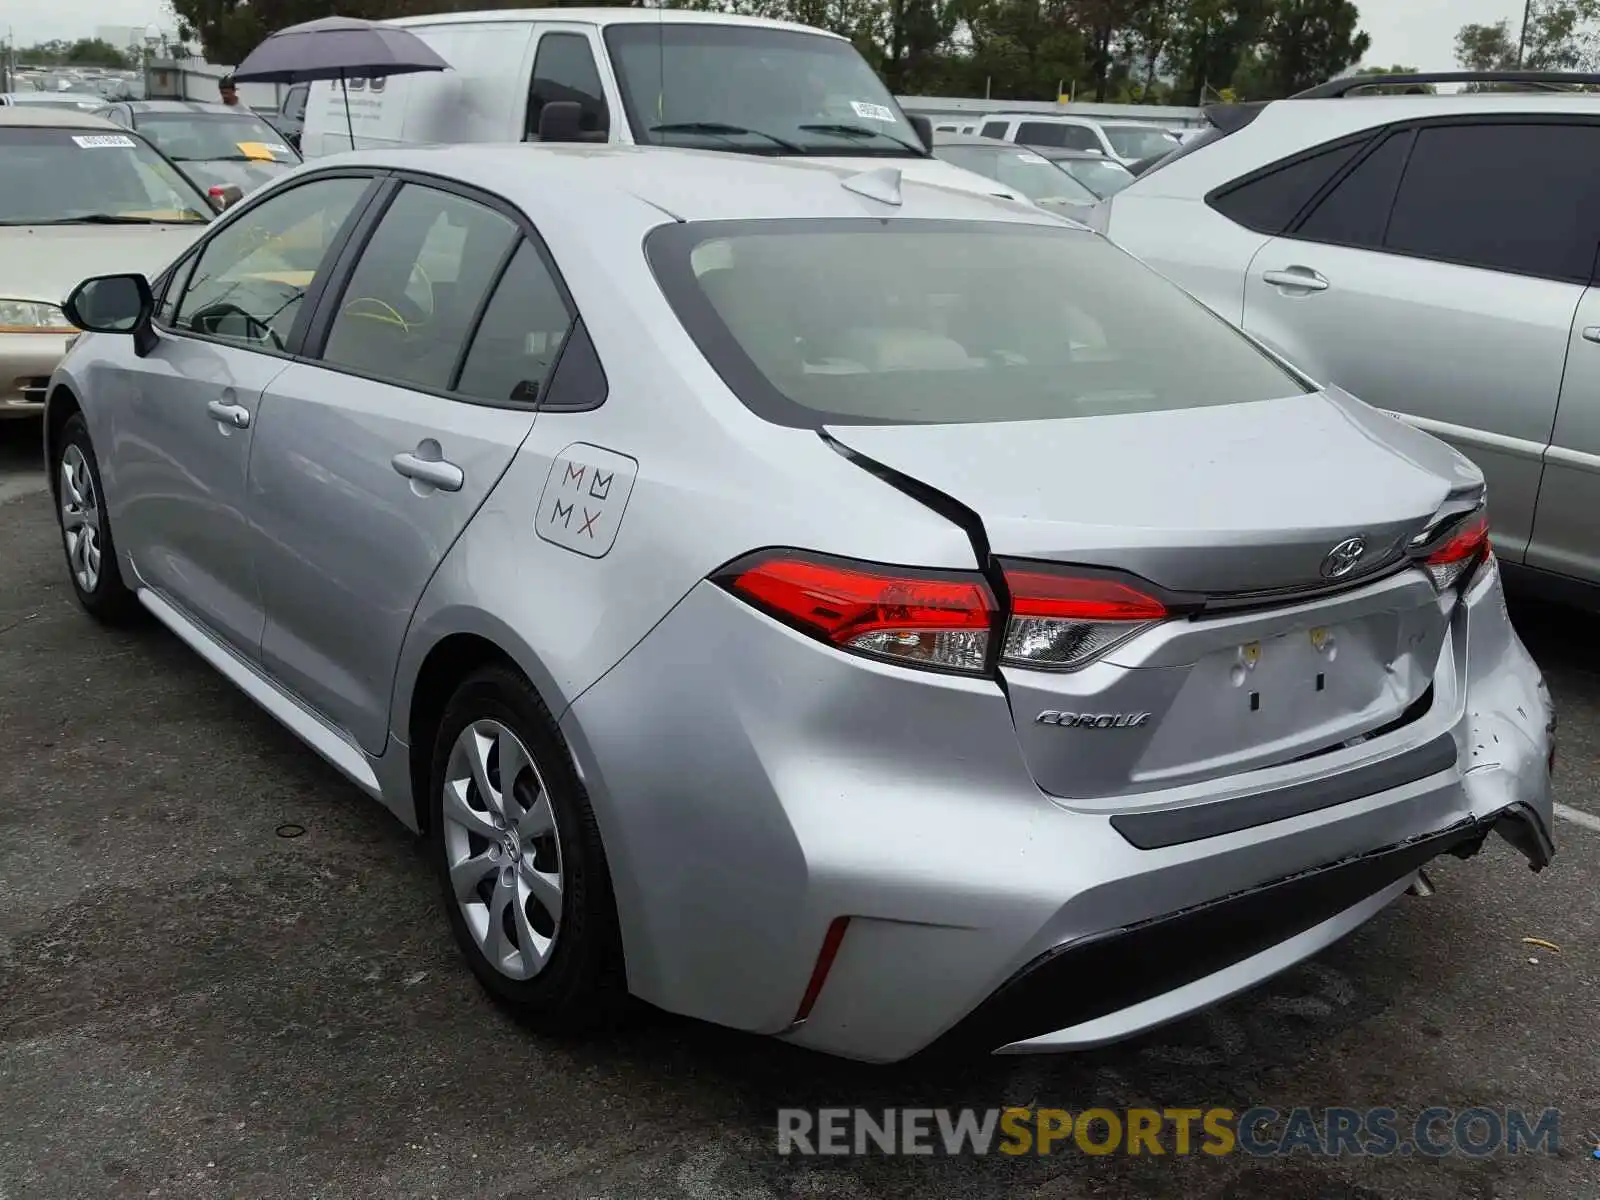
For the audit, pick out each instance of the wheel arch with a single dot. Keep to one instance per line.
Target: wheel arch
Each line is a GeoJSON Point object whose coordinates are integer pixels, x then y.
{"type": "Point", "coordinates": [445, 655]}
{"type": "Point", "coordinates": [60, 405]}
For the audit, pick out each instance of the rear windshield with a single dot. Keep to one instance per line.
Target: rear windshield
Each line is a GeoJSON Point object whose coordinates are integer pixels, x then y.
{"type": "Point", "coordinates": [909, 321]}
{"type": "Point", "coordinates": [754, 90]}
{"type": "Point", "coordinates": [63, 176]}
{"type": "Point", "coordinates": [204, 137]}
{"type": "Point", "coordinates": [1102, 178]}
{"type": "Point", "coordinates": [1034, 176]}
{"type": "Point", "coordinates": [1136, 141]}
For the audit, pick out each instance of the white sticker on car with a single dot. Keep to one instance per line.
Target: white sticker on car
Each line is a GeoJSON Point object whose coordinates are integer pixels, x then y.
{"type": "Point", "coordinates": [96, 141]}
{"type": "Point", "coordinates": [1028, 156]}
{"type": "Point", "coordinates": [584, 498]}
{"type": "Point", "coordinates": [872, 112]}
{"type": "Point", "coordinates": [275, 148]}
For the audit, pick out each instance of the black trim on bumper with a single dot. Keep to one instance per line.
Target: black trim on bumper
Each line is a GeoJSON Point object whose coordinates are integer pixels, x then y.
{"type": "Point", "coordinates": [1112, 971]}
{"type": "Point", "coordinates": [1155, 830]}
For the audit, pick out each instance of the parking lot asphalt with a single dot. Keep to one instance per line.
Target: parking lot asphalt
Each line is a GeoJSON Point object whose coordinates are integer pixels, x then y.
{"type": "Point", "coordinates": [194, 1005]}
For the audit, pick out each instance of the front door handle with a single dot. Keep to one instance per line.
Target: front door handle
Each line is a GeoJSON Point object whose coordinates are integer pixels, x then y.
{"type": "Point", "coordinates": [1302, 279]}
{"type": "Point", "coordinates": [445, 476]}
{"type": "Point", "coordinates": [235, 415]}
{"type": "Point", "coordinates": [1592, 333]}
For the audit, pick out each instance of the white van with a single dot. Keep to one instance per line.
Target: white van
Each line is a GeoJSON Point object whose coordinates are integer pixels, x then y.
{"type": "Point", "coordinates": [674, 77]}
{"type": "Point", "coordinates": [1126, 142]}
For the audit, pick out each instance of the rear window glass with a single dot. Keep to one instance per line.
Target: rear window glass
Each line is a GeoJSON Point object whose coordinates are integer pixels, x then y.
{"type": "Point", "coordinates": [907, 321]}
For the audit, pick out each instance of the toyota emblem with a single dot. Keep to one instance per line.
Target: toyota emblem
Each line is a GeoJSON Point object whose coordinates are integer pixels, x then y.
{"type": "Point", "coordinates": [1342, 559]}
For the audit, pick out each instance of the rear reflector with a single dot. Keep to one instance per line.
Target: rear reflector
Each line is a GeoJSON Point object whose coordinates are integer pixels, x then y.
{"type": "Point", "coordinates": [1064, 620]}
{"type": "Point", "coordinates": [937, 619]}
{"type": "Point", "coordinates": [1463, 550]}
{"type": "Point", "coordinates": [819, 973]}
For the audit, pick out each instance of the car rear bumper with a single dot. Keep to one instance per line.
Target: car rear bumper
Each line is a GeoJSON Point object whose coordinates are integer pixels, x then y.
{"type": "Point", "coordinates": [26, 361]}
{"type": "Point", "coordinates": [753, 787]}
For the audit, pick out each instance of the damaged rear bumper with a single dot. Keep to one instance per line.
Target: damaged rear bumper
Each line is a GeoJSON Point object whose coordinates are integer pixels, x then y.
{"type": "Point", "coordinates": [1205, 949]}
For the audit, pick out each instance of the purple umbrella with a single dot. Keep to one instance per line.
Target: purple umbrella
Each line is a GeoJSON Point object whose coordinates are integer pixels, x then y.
{"type": "Point", "coordinates": [334, 47]}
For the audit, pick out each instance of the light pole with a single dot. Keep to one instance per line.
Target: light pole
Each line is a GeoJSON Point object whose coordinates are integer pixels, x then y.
{"type": "Point", "coordinates": [1522, 42]}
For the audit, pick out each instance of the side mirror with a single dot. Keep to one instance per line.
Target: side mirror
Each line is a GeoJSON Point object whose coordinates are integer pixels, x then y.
{"type": "Point", "coordinates": [561, 121]}
{"type": "Point", "coordinates": [225, 196]}
{"type": "Point", "coordinates": [924, 130]}
{"type": "Point", "coordinates": [111, 304]}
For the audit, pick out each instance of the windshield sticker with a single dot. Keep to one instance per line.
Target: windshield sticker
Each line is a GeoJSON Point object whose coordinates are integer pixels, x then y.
{"type": "Point", "coordinates": [1028, 156]}
{"type": "Point", "coordinates": [255, 150]}
{"type": "Point", "coordinates": [96, 141]}
{"type": "Point", "coordinates": [872, 112]}
{"type": "Point", "coordinates": [275, 148]}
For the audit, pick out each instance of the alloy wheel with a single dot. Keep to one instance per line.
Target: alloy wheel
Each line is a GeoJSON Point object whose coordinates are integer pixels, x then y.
{"type": "Point", "coordinates": [503, 849]}
{"type": "Point", "coordinates": [80, 519]}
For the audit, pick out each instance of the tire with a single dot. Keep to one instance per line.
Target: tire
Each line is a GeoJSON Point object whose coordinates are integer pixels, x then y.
{"type": "Point", "coordinates": [86, 538]}
{"type": "Point", "coordinates": [575, 980]}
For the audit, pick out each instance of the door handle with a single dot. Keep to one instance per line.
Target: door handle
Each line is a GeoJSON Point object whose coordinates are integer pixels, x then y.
{"type": "Point", "coordinates": [229, 414]}
{"type": "Point", "coordinates": [1302, 278]}
{"type": "Point", "coordinates": [445, 476]}
{"type": "Point", "coordinates": [1592, 333]}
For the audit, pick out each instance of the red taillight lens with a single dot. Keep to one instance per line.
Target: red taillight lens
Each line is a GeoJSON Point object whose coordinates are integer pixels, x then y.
{"type": "Point", "coordinates": [938, 619]}
{"type": "Point", "coordinates": [1464, 549]}
{"type": "Point", "coordinates": [1063, 620]}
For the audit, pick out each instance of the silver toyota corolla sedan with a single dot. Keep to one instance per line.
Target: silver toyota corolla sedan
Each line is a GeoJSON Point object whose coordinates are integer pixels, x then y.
{"type": "Point", "coordinates": [816, 602]}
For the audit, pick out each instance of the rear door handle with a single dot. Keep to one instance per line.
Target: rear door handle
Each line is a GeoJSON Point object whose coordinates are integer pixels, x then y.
{"type": "Point", "coordinates": [1592, 333]}
{"type": "Point", "coordinates": [445, 476]}
{"type": "Point", "coordinates": [235, 415]}
{"type": "Point", "coordinates": [1301, 278]}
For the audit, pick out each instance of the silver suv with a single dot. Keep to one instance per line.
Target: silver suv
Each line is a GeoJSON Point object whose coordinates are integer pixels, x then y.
{"type": "Point", "coordinates": [1432, 254]}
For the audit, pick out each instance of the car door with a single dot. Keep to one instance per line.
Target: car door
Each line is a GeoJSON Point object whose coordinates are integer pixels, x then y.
{"type": "Point", "coordinates": [565, 67]}
{"type": "Point", "coordinates": [225, 330]}
{"type": "Point", "coordinates": [374, 453]}
{"type": "Point", "coordinates": [1566, 534]}
{"type": "Point", "coordinates": [1438, 278]}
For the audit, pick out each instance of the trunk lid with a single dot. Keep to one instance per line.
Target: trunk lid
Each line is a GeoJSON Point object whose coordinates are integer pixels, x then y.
{"type": "Point", "coordinates": [1240, 501]}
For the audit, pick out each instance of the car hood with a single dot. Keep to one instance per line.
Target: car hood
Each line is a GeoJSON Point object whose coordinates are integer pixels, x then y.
{"type": "Point", "coordinates": [45, 262]}
{"type": "Point", "coordinates": [246, 176]}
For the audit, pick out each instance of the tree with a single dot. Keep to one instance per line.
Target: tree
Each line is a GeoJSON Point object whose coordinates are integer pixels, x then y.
{"type": "Point", "coordinates": [1561, 35]}
{"type": "Point", "coordinates": [229, 29]}
{"type": "Point", "coordinates": [1307, 42]}
{"type": "Point", "coordinates": [85, 52]}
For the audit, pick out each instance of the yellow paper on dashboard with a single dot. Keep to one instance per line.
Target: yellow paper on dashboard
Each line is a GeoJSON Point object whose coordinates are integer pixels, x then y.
{"type": "Point", "coordinates": [256, 150]}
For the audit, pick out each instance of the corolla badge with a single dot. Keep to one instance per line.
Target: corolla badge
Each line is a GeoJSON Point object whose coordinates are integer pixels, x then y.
{"type": "Point", "coordinates": [1342, 559]}
{"type": "Point", "coordinates": [1092, 720]}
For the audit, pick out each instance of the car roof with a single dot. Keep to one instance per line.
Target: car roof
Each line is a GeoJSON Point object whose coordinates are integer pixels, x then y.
{"type": "Point", "coordinates": [189, 106]}
{"type": "Point", "coordinates": [607, 16]}
{"type": "Point", "coordinates": [43, 116]}
{"type": "Point", "coordinates": [971, 139]}
{"type": "Point", "coordinates": [1070, 152]}
{"type": "Point", "coordinates": [685, 185]}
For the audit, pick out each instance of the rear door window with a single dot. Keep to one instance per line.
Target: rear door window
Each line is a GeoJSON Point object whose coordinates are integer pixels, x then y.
{"type": "Point", "coordinates": [996, 129]}
{"type": "Point", "coordinates": [1356, 212]}
{"type": "Point", "coordinates": [1269, 201]}
{"type": "Point", "coordinates": [408, 307]}
{"type": "Point", "coordinates": [564, 69]}
{"type": "Point", "coordinates": [1508, 196]}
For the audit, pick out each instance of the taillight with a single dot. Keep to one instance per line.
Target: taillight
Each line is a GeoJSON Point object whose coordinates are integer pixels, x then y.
{"type": "Point", "coordinates": [1462, 550]}
{"type": "Point", "coordinates": [935, 619]}
{"type": "Point", "coordinates": [1061, 619]}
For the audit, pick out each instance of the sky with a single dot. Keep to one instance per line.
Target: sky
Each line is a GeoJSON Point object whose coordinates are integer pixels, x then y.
{"type": "Point", "coordinates": [1413, 33]}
